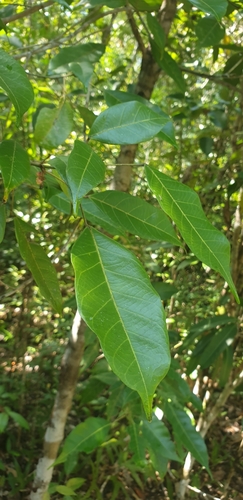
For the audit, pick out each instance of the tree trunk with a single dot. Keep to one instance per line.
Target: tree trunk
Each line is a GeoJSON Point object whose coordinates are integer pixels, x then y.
{"type": "Point", "coordinates": [55, 430]}
{"type": "Point", "coordinates": [148, 76]}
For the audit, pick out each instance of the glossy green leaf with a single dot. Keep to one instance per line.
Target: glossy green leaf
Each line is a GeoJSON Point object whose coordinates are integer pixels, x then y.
{"type": "Point", "coordinates": [53, 126]}
{"type": "Point", "coordinates": [182, 204]}
{"type": "Point", "coordinates": [61, 202]}
{"type": "Point", "coordinates": [118, 303]}
{"type": "Point", "coordinates": [136, 216]}
{"type": "Point", "coordinates": [84, 171]}
{"type": "Point", "coordinates": [97, 216]}
{"type": "Point", "coordinates": [2, 222]}
{"type": "Point", "coordinates": [14, 165]}
{"type": "Point", "coordinates": [171, 68]}
{"type": "Point", "coordinates": [186, 433]}
{"type": "Point", "coordinates": [15, 83]}
{"type": "Point", "coordinates": [217, 345]}
{"type": "Point", "coordinates": [158, 439]}
{"type": "Point", "coordinates": [86, 436]}
{"type": "Point", "coordinates": [38, 262]}
{"type": "Point", "coordinates": [127, 123]}
{"type": "Point", "coordinates": [209, 32]}
{"type": "Point", "coordinates": [90, 52]}
{"type": "Point", "coordinates": [215, 7]}
{"type": "Point", "coordinates": [157, 31]}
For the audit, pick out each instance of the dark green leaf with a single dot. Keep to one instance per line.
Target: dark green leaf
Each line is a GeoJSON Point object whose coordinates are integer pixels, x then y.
{"type": "Point", "coordinates": [206, 145]}
{"type": "Point", "coordinates": [84, 52]}
{"type": "Point", "coordinates": [18, 419]}
{"type": "Point", "coordinates": [136, 216]}
{"type": "Point", "coordinates": [86, 437]}
{"type": "Point", "coordinates": [40, 266]}
{"type": "Point", "coordinates": [171, 68]}
{"type": "Point", "coordinates": [158, 439]}
{"type": "Point", "coordinates": [127, 123]}
{"type": "Point", "coordinates": [165, 290]}
{"type": "Point", "coordinates": [157, 32]}
{"type": "Point", "coordinates": [182, 204]}
{"type": "Point", "coordinates": [84, 171]}
{"type": "Point", "coordinates": [14, 164]}
{"type": "Point", "coordinates": [2, 222]}
{"type": "Point", "coordinates": [217, 345]}
{"type": "Point", "coordinates": [215, 7]}
{"type": "Point", "coordinates": [93, 213]}
{"type": "Point", "coordinates": [186, 433]}
{"type": "Point", "coordinates": [137, 444]}
{"type": "Point", "coordinates": [209, 32]}
{"type": "Point", "coordinates": [15, 83]}
{"type": "Point", "coordinates": [234, 68]}
{"type": "Point", "coordinates": [87, 115]}
{"type": "Point", "coordinates": [53, 126]}
{"type": "Point", "coordinates": [118, 303]}
{"type": "Point", "coordinates": [3, 421]}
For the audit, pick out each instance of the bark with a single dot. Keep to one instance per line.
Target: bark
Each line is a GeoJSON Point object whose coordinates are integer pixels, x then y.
{"type": "Point", "coordinates": [55, 430]}
{"type": "Point", "coordinates": [148, 76]}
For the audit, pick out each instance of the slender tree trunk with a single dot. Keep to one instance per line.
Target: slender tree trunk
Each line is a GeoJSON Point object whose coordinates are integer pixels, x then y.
{"type": "Point", "coordinates": [148, 76]}
{"type": "Point", "coordinates": [55, 430]}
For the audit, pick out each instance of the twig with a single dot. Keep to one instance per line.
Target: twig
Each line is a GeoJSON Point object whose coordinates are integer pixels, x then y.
{"type": "Point", "coordinates": [135, 31]}
{"type": "Point", "coordinates": [27, 12]}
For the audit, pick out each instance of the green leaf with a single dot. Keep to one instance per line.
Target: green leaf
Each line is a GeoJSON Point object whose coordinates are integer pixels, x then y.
{"type": "Point", "coordinates": [90, 52]}
{"type": "Point", "coordinates": [98, 217]}
{"type": "Point", "coordinates": [118, 303]}
{"type": "Point", "coordinates": [61, 202]}
{"type": "Point", "coordinates": [215, 7]}
{"type": "Point", "coordinates": [157, 32]}
{"type": "Point", "coordinates": [64, 490]}
{"type": "Point", "coordinates": [14, 164]}
{"type": "Point", "coordinates": [18, 419]}
{"type": "Point", "coordinates": [206, 145]}
{"type": "Point", "coordinates": [15, 83]}
{"type": "Point", "coordinates": [145, 5]}
{"type": "Point", "coordinates": [186, 433]}
{"type": "Point", "coordinates": [209, 32]}
{"type": "Point", "coordinates": [171, 68]}
{"type": "Point", "coordinates": [87, 115]}
{"type": "Point", "coordinates": [217, 345]}
{"type": "Point", "coordinates": [40, 266]}
{"type": "Point", "coordinates": [137, 443]}
{"type": "Point", "coordinates": [167, 134]}
{"type": "Point", "coordinates": [165, 290]}
{"type": "Point", "coordinates": [75, 482]}
{"type": "Point", "coordinates": [136, 216]}
{"type": "Point", "coordinates": [84, 171]}
{"type": "Point", "coordinates": [3, 421]}
{"type": "Point", "coordinates": [182, 204]}
{"type": "Point", "coordinates": [2, 222]}
{"type": "Point", "coordinates": [53, 126]}
{"type": "Point", "coordinates": [158, 439]}
{"type": "Point", "coordinates": [87, 436]}
{"type": "Point", "coordinates": [127, 123]}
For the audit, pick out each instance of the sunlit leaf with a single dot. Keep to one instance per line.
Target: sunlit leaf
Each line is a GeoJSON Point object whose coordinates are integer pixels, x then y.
{"type": "Point", "coordinates": [136, 216]}
{"type": "Point", "coordinates": [127, 123]}
{"type": "Point", "coordinates": [40, 266]}
{"type": "Point", "coordinates": [15, 83]}
{"type": "Point", "coordinates": [182, 204]}
{"type": "Point", "coordinates": [14, 165]}
{"type": "Point", "coordinates": [53, 125]}
{"type": "Point", "coordinates": [119, 304]}
{"type": "Point", "coordinates": [186, 433]}
{"type": "Point", "coordinates": [84, 171]}
{"type": "Point", "coordinates": [215, 7]}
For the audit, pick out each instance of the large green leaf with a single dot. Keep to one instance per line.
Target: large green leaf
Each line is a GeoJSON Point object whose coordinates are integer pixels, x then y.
{"type": "Point", "coordinates": [119, 304]}
{"type": "Point", "coordinates": [136, 216]}
{"type": "Point", "coordinates": [53, 125]}
{"type": "Point", "coordinates": [15, 82]}
{"type": "Point", "coordinates": [209, 32]}
{"type": "Point", "coordinates": [171, 68]}
{"type": "Point", "coordinates": [186, 434]}
{"type": "Point", "coordinates": [158, 439]}
{"type": "Point", "coordinates": [14, 164]}
{"type": "Point", "coordinates": [39, 264]}
{"type": "Point", "coordinates": [182, 204]}
{"type": "Point", "coordinates": [98, 217]}
{"type": "Point", "coordinates": [2, 222]}
{"type": "Point", "coordinates": [127, 123]}
{"type": "Point", "coordinates": [157, 32]}
{"type": "Point", "coordinates": [85, 437]}
{"type": "Point", "coordinates": [215, 7]}
{"type": "Point", "coordinates": [84, 171]}
{"type": "Point", "coordinates": [90, 52]}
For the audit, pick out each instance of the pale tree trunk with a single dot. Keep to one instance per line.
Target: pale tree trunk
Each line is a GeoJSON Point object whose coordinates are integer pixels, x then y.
{"type": "Point", "coordinates": [148, 76]}
{"type": "Point", "coordinates": [55, 430]}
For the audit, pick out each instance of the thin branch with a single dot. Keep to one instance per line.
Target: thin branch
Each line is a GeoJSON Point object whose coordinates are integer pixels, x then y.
{"type": "Point", "coordinates": [135, 31]}
{"type": "Point", "coordinates": [27, 12]}
{"type": "Point", "coordinates": [216, 78]}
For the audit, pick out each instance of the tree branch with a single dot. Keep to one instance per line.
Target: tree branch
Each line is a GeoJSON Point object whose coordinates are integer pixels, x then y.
{"type": "Point", "coordinates": [27, 12]}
